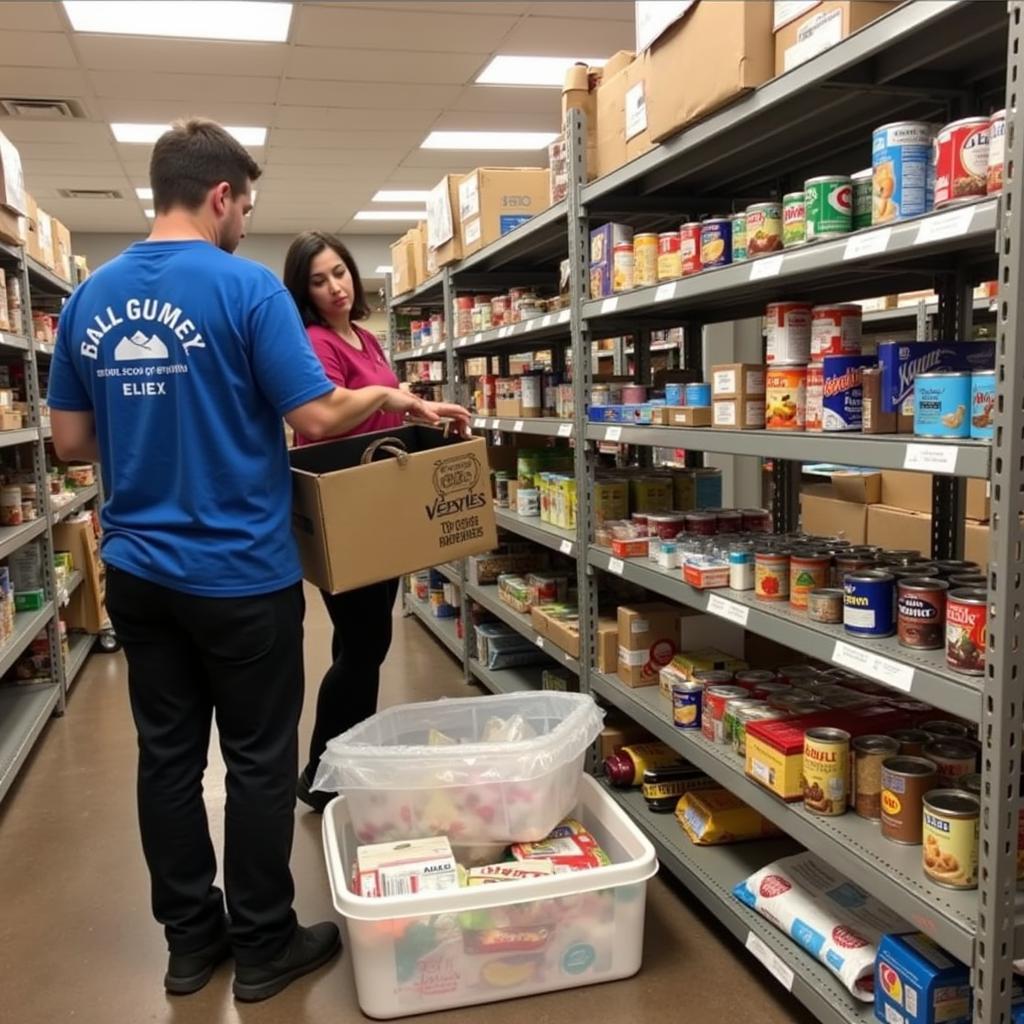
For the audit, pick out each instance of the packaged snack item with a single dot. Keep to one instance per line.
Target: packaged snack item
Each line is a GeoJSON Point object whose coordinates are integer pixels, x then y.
{"type": "Point", "coordinates": [918, 983]}
{"type": "Point", "coordinates": [570, 847]}
{"type": "Point", "coordinates": [516, 872]}
{"type": "Point", "coordinates": [409, 866]}
{"type": "Point", "coordinates": [714, 816]}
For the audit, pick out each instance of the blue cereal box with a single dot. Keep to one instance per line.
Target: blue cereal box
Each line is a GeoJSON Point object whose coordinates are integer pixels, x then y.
{"type": "Point", "coordinates": [902, 361]}
{"type": "Point", "coordinates": [603, 241]}
{"type": "Point", "coordinates": [916, 982]}
{"type": "Point", "coordinates": [605, 414]}
{"type": "Point", "coordinates": [842, 393]}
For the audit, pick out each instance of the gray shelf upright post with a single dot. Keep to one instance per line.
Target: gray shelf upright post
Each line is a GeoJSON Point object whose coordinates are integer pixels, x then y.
{"type": "Point", "coordinates": [450, 388]}
{"type": "Point", "coordinates": [1001, 707]}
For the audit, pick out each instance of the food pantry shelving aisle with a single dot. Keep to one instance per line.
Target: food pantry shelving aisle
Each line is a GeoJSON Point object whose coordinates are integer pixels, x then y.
{"type": "Point", "coordinates": [877, 75]}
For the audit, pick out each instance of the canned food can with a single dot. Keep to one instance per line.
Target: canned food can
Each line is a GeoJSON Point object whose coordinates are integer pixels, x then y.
{"type": "Point", "coordinates": [807, 573]}
{"type": "Point", "coordinates": [983, 404]}
{"type": "Point", "coordinates": [675, 394]}
{"type": "Point", "coordinates": [794, 219]}
{"type": "Point", "coordinates": [634, 394]}
{"type": "Point", "coordinates": [752, 678]}
{"type": "Point", "coordinates": [911, 741]}
{"type": "Point", "coordinates": [829, 203]}
{"type": "Point", "coordinates": [902, 180]}
{"type": "Point", "coordinates": [955, 566]}
{"type": "Point", "coordinates": [950, 833]}
{"type": "Point", "coordinates": [741, 567]}
{"type": "Point", "coordinates": [941, 404]}
{"type": "Point", "coordinates": [698, 394]}
{"type": "Point", "coordinates": [764, 228]}
{"type": "Point", "coordinates": [788, 333]}
{"type": "Point", "coordinates": [771, 575]}
{"type": "Point", "coordinates": [921, 613]}
{"type": "Point", "coordinates": [861, 184]}
{"type": "Point", "coordinates": [869, 603]}
{"type": "Point", "coordinates": [756, 520]}
{"type": "Point", "coordinates": [868, 754]}
{"type": "Point", "coordinates": [622, 267]}
{"type": "Point", "coordinates": [836, 330]}
{"type": "Point", "coordinates": [968, 581]}
{"type": "Point", "coordinates": [715, 243]}
{"type": "Point", "coordinates": [785, 397]}
{"type": "Point", "coordinates": [732, 710]}
{"type": "Point", "coordinates": [953, 757]}
{"type": "Point", "coordinates": [996, 151]}
{"type": "Point", "coordinates": [687, 700]}
{"type": "Point", "coordinates": [703, 523]}
{"type": "Point", "coordinates": [689, 248]}
{"type": "Point", "coordinates": [501, 489]}
{"type": "Point", "coordinates": [966, 631]}
{"type": "Point", "coordinates": [739, 236]}
{"type": "Point", "coordinates": [713, 711]}
{"type": "Point", "coordinates": [842, 392]}
{"type": "Point", "coordinates": [826, 771]}
{"type": "Point", "coordinates": [905, 780]}
{"type": "Point", "coordinates": [744, 717]}
{"type": "Point", "coordinates": [961, 160]}
{"type": "Point", "coordinates": [670, 264]}
{"type": "Point", "coordinates": [531, 392]}
{"type": "Point", "coordinates": [945, 729]}
{"type": "Point", "coordinates": [769, 688]}
{"type": "Point", "coordinates": [814, 405]}
{"type": "Point", "coordinates": [825, 604]}
{"type": "Point", "coordinates": [645, 259]}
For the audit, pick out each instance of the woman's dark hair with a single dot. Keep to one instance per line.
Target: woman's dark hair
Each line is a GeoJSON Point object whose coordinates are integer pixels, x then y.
{"type": "Point", "coordinates": [296, 274]}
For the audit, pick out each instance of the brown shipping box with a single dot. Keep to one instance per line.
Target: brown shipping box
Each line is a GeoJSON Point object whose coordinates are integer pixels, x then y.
{"type": "Point", "coordinates": [44, 228]}
{"type": "Point", "coordinates": [607, 644]}
{"type": "Point", "coordinates": [619, 731]}
{"type": "Point", "coordinates": [822, 26]}
{"type": "Point", "coordinates": [403, 272]}
{"type": "Point", "coordinates": [715, 53]}
{"type": "Point", "coordinates": [824, 514]}
{"type": "Point", "coordinates": [898, 528]}
{"type": "Point", "coordinates": [648, 639]}
{"type": "Point", "coordinates": [738, 413]}
{"type": "Point", "coordinates": [913, 491]}
{"type": "Point", "coordinates": [418, 244]}
{"type": "Point", "coordinates": [865, 488]}
{"type": "Point", "coordinates": [85, 608]}
{"type": "Point", "coordinates": [976, 542]}
{"type": "Point", "coordinates": [62, 256]}
{"type": "Point", "coordinates": [622, 130]}
{"type": "Point", "coordinates": [11, 227]}
{"type": "Point", "coordinates": [358, 524]}
{"type": "Point", "coordinates": [12, 178]}
{"type": "Point", "coordinates": [443, 237]}
{"type": "Point", "coordinates": [579, 92]}
{"type": "Point", "coordinates": [737, 380]}
{"type": "Point", "coordinates": [495, 200]}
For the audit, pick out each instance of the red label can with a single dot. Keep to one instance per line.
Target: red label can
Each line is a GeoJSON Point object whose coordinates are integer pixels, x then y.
{"type": "Point", "coordinates": [715, 698]}
{"type": "Point", "coordinates": [966, 631]}
{"type": "Point", "coordinates": [489, 390]}
{"type": "Point", "coordinates": [996, 152]}
{"type": "Point", "coordinates": [689, 248]}
{"type": "Point", "coordinates": [961, 160]}
{"type": "Point", "coordinates": [815, 397]}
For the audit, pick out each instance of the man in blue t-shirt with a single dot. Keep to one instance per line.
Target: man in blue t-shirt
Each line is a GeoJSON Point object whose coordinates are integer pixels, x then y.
{"type": "Point", "coordinates": [175, 364]}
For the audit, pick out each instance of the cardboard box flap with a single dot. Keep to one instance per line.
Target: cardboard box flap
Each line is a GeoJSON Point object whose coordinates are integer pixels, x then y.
{"type": "Point", "coordinates": [653, 17]}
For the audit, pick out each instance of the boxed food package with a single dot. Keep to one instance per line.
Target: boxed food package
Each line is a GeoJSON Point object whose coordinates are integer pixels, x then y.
{"type": "Point", "coordinates": [12, 179]}
{"type": "Point", "coordinates": [705, 659]}
{"type": "Point", "coordinates": [343, 503]}
{"type": "Point", "coordinates": [495, 200]}
{"type": "Point", "coordinates": [403, 270]}
{"type": "Point", "coordinates": [560, 623]}
{"type": "Point", "coordinates": [648, 640]}
{"type": "Point", "coordinates": [874, 419]}
{"type": "Point", "coordinates": [603, 240]}
{"type": "Point", "coordinates": [569, 847]}
{"type": "Point", "coordinates": [607, 644]}
{"type": "Point", "coordinates": [407, 867]}
{"type": "Point", "coordinates": [711, 817]}
{"type": "Point", "coordinates": [821, 512]}
{"type": "Point", "coordinates": [727, 49]}
{"type": "Point", "coordinates": [484, 569]}
{"type": "Point", "coordinates": [558, 170]}
{"type": "Point", "coordinates": [682, 415]}
{"type": "Point", "coordinates": [916, 982]}
{"type": "Point", "coordinates": [619, 731]}
{"type": "Point", "coordinates": [803, 30]}
{"type": "Point", "coordinates": [737, 380]}
{"type": "Point", "coordinates": [443, 238]}
{"type": "Point", "coordinates": [738, 413]}
{"type": "Point", "coordinates": [622, 133]}
{"type": "Point", "coordinates": [579, 92]}
{"type": "Point", "coordinates": [898, 528]}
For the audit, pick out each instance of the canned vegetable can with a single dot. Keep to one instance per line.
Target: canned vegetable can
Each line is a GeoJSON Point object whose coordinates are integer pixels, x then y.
{"type": "Point", "coordinates": [739, 236]}
{"type": "Point", "coordinates": [902, 175]}
{"type": "Point", "coordinates": [794, 219]}
{"type": "Point", "coordinates": [983, 404]}
{"type": "Point", "coordinates": [861, 184]}
{"type": "Point", "coordinates": [715, 242]}
{"type": "Point", "coordinates": [829, 206]}
{"type": "Point", "coordinates": [869, 607]}
{"type": "Point", "coordinates": [941, 404]}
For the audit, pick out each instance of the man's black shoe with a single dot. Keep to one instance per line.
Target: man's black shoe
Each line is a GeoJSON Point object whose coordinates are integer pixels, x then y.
{"type": "Point", "coordinates": [309, 949]}
{"type": "Point", "coordinates": [312, 797]}
{"type": "Point", "coordinates": [189, 972]}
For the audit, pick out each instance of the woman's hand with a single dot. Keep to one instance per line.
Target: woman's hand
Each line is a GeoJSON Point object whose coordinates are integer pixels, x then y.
{"type": "Point", "coordinates": [419, 410]}
{"type": "Point", "coordinates": [451, 411]}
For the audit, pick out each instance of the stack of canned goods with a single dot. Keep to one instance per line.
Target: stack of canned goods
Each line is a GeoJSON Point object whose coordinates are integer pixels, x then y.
{"type": "Point", "coordinates": [955, 404]}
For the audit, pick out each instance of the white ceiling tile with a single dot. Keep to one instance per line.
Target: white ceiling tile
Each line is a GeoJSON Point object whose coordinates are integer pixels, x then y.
{"type": "Point", "coordinates": [343, 118]}
{"type": "Point", "coordinates": [293, 157]}
{"type": "Point", "coordinates": [586, 36]}
{"type": "Point", "coordinates": [285, 138]}
{"type": "Point", "coordinates": [373, 96]}
{"type": "Point", "coordinates": [19, 131]}
{"type": "Point", "coordinates": [36, 17]}
{"type": "Point", "coordinates": [36, 50]}
{"type": "Point", "coordinates": [132, 53]}
{"type": "Point", "coordinates": [222, 88]}
{"type": "Point", "coordinates": [43, 83]}
{"type": "Point", "coordinates": [69, 152]}
{"type": "Point", "coordinates": [441, 8]}
{"type": "Point", "coordinates": [511, 120]}
{"type": "Point", "coordinates": [136, 111]}
{"type": "Point", "coordinates": [51, 169]}
{"type": "Point", "coordinates": [383, 66]}
{"type": "Point", "coordinates": [465, 160]}
{"type": "Point", "coordinates": [605, 10]}
{"type": "Point", "coordinates": [498, 99]}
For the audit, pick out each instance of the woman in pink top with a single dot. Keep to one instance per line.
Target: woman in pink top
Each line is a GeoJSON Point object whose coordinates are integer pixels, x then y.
{"type": "Point", "coordinates": [324, 282]}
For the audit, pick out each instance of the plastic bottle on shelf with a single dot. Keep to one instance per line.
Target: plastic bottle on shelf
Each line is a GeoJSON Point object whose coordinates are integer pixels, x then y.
{"type": "Point", "coordinates": [627, 765]}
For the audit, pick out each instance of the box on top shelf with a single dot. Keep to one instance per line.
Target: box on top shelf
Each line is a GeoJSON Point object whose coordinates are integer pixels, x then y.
{"type": "Point", "coordinates": [737, 380]}
{"type": "Point", "coordinates": [443, 236]}
{"type": "Point", "coordinates": [12, 178]}
{"type": "Point", "coordinates": [418, 246]}
{"type": "Point", "coordinates": [898, 528]}
{"type": "Point", "coordinates": [496, 200]}
{"type": "Point", "coordinates": [803, 30]}
{"type": "Point", "coordinates": [579, 92]}
{"type": "Point", "coordinates": [622, 132]}
{"type": "Point", "coordinates": [821, 512]}
{"type": "Point", "coordinates": [62, 256]}
{"type": "Point", "coordinates": [726, 49]}
{"type": "Point", "coordinates": [403, 270]}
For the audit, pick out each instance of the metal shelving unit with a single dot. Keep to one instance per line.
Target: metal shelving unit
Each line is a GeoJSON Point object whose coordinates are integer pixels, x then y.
{"type": "Point", "coordinates": [505, 680]}
{"type": "Point", "coordinates": [79, 646]}
{"type": "Point", "coordinates": [443, 629]}
{"type": "Point", "coordinates": [554, 537]}
{"type": "Point", "coordinates": [24, 710]}
{"type": "Point", "coordinates": [535, 425]}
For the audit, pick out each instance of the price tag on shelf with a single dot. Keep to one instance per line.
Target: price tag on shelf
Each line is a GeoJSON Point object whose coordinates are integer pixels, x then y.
{"type": "Point", "coordinates": [462, 342]}
{"type": "Point", "coordinates": [616, 566]}
{"type": "Point", "coordinates": [568, 657]}
{"type": "Point", "coordinates": [612, 433]}
{"type": "Point", "coordinates": [931, 458]}
{"type": "Point", "coordinates": [766, 266]}
{"type": "Point", "coordinates": [776, 967]}
{"type": "Point", "coordinates": [539, 641]}
{"type": "Point", "coordinates": [665, 292]}
{"type": "Point", "coordinates": [945, 225]}
{"type": "Point", "coordinates": [874, 666]}
{"type": "Point", "coordinates": [563, 316]}
{"type": "Point", "coordinates": [517, 427]}
{"type": "Point", "coordinates": [565, 430]}
{"type": "Point", "coordinates": [480, 424]}
{"type": "Point", "coordinates": [495, 424]}
{"type": "Point", "coordinates": [476, 338]}
{"type": "Point", "coordinates": [609, 305]}
{"type": "Point", "coordinates": [505, 332]}
{"type": "Point", "coordinates": [730, 610]}
{"type": "Point", "coordinates": [545, 321]}
{"type": "Point", "coordinates": [530, 324]}
{"type": "Point", "coordinates": [868, 244]}
{"type": "Point", "coordinates": [565, 547]}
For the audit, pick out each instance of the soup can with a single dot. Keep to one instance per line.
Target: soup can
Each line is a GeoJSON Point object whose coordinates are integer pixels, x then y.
{"type": "Point", "coordinates": [689, 248]}
{"type": "Point", "coordinates": [861, 184]}
{"type": "Point", "coordinates": [645, 259]}
{"type": "Point", "coordinates": [794, 220]}
{"type": "Point", "coordinates": [732, 710]}
{"type": "Point", "coordinates": [829, 200]}
{"type": "Point", "coordinates": [921, 613]}
{"type": "Point", "coordinates": [807, 573]}
{"type": "Point", "coordinates": [697, 394]}
{"type": "Point", "coordinates": [764, 228]}
{"type": "Point", "coordinates": [983, 403]}
{"type": "Point", "coordinates": [715, 242]}
{"type": "Point", "coordinates": [867, 755]}
{"type": "Point", "coordinates": [905, 781]}
{"type": "Point", "coordinates": [788, 333]}
{"type": "Point", "coordinates": [869, 603]}
{"type": "Point", "coordinates": [852, 561]}
{"type": "Point", "coordinates": [996, 151]}
{"type": "Point", "coordinates": [814, 400]}
{"type": "Point", "coordinates": [622, 267]}
{"type": "Point", "coordinates": [911, 741]}
{"type": "Point", "coordinates": [669, 260]}
{"type": "Point", "coordinates": [826, 771]}
{"type": "Point", "coordinates": [836, 330]}
{"type": "Point", "coordinates": [953, 758]}
{"type": "Point", "coordinates": [739, 236]}
{"type": "Point", "coordinates": [968, 581]}
{"type": "Point", "coordinates": [945, 729]}
{"type": "Point", "coordinates": [715, 698]}
{"type": "Point", "coordinates": [901, 171]}
{"type": "Point", "coordinates": [785, 397]}
{"type": "Point", "coordinates": [950, 834]}
{"type": "Point", "coordinates": [771, 575]}
{"type": "Point", "coordinates": [961, 160]}
{"type": "Point", "coordinates": [687, 702]}
{"type": "Point", "coordinates": [751, 713]}
{"type": "Point", "coordinates": [825, 604]}
{"type": "Point", "coordinates": [942, 401]}
{"type": "Point", "coordinates": [754, 678]}
{"type": "Point", "coordinates": [966, 631]}
{"type": "Point", "coordinates": [955, 566]}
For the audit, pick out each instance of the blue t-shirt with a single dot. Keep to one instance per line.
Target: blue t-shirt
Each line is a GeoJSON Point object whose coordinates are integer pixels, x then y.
{"type": "Point", "coordinates": [189, 358]}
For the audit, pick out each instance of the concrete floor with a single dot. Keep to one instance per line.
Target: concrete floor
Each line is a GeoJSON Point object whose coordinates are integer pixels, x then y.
{"type": "Point", "coordinates": [77, 942]}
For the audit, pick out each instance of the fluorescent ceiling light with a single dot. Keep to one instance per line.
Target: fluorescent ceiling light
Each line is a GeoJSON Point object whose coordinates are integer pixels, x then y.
{"type": "Point", "coordinates": [383, 270]}
{"type": "Point", "coordinates": [488, 140]}
{"type": "Point", "coordinates": [150, 213]}
{"type": "Point", "coordinates": [149, 133]}
{"type": "Point", "coordinates": [401, 196]}
{"type": "Point", "coordinates": [390, 215]}
{"type": "Point", "coordinates": [246, 20]}
{"type": "Point", "coordinates": [543, 71]}
{"type": "Point", "coordinates": [144, 193]}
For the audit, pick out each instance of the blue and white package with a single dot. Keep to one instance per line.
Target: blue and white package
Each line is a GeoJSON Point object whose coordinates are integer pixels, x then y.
{"type": "Point", "coordinates": [916, 982]}
{"type": "Point", "coordinates": [902, 361]}
{"type": "Point", "coordinates": [842, 393]}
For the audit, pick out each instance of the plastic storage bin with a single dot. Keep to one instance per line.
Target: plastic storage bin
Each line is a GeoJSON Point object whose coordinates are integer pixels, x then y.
{"type": "Point", "coordinates": [434, 951]}
{"type": "Point", "coordinates": [483, 794]}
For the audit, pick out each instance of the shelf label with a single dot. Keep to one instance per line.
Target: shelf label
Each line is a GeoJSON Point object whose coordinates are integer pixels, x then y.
{"type": "Point", "coordinates": [476, 338]}
{"type": "Point", "coordinates": [767, 266]}
{"type": "Point", "coordinates": [665, 292]}
{"type": "Point", "coordinates": [480, 424]}
{"type": "Point", "coordinates": [869, 244]}
{"type": "Point", "coordinates": [545, 321]}
{"type": "Point", "coordinates": [530, 324]}
{"type": "Point", "coordinates": [563, 316]}
{"type": "Point", "coordinates": [463, 342]}
{"type": "Point", "coordinates": [883, 670]}
{"type": "Point", "coordinates": [565, 547]}
{"type": "Point", "coordinates": [612, 433]}
{"type": "Point", "coordinates": [517, 427]}
{"type": "Point", "coordinates": [539, 641]}
{"type": "Point", "coordinates": [776, 967]}
{"type": "Point", "coordinates": [565, 430]}
{"type": "Point", "coordinates": [616, 565]}
{"type": "Point", "coordinates": [495, 424]}
{"type": "Point", "coordinates": [931, 458]}
{"type": "Point", "coordinates": [738, 613]}
{"type": "Point", "coordinates": [609, 305]}
{"type": "Point", "coordinates": [504, 332]}
{"type": "Point", "coordinates": [945, 225]}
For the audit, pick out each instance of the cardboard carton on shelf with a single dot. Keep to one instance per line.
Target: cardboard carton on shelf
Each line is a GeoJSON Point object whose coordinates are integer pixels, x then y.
{"type": "Point", "coordinates": [976, 539]}
{"type": "Point", "coordinates": [803, 30]}
{"type": "Point", "coordinates": [737, 380]}
{"type": "Point", "coordinates": [403, 270]}
{"type": "Point", "coordinates": [579, 92]}
{"type": "Point", "coordinates": [444, 239]}
{"type": "Point", "coordinates": [648, 638]}
{"type": "Point", "coordinates": [899, 528]}
{"type": "Point", "coordinates": [62, 256]}
{"type": "Point", "coordinates": [738, 413]}
{"type": "Point", "coordinates": [619, 731]}
{"type": "Point", "coordinates": [44, 230]}
{"type": "Point", "coordinates": [496, 200]}
{"type": "Point", "coordinates": [821, 512]}
{"type": "Point", "coordinates": [622, 131]}
{"type": "Point", "coordinates": [13, 196]}
{"type": "Point", "coordinates": [11, 420]}
{"type": "Point", "coordinates": [913, 491]}
{"type": "Point", "coordinates": [418, 245]}
{"type": "Point", "coordinates": [607, 644]}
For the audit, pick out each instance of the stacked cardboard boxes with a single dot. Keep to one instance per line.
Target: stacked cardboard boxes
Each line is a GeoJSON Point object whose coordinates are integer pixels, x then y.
{"type": "Point", "coordinates": [805, 29]}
